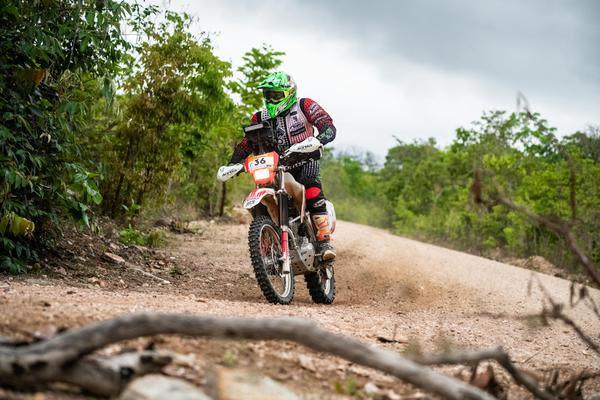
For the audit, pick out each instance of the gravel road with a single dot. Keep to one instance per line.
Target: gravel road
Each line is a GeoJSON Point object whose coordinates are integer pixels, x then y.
{"type": "Point", "coordinates": [424, 296]}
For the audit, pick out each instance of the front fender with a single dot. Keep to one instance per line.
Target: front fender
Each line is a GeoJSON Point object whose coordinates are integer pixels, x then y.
{"type": "Point", "coordinates": [256, 196]}
{"type": "Point", "coordinates": [267, 197]}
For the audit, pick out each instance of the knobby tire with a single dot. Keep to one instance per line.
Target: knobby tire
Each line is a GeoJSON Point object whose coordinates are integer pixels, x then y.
{"type": "Point", "coordinates": [260, 271]}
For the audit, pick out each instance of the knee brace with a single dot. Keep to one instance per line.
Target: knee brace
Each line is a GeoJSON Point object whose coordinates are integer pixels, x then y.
{"type": "Point", "coordinates": [315, 200]}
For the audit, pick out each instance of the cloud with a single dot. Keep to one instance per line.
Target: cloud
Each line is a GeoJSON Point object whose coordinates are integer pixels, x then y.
{"type": "Point", "coordinates": [549, 45]}
{"type": "Point", "coordinates": [418, 69]}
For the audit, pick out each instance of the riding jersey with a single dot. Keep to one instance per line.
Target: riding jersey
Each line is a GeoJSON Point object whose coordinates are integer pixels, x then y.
{"type": "Point", "coordinates": [293, 126]}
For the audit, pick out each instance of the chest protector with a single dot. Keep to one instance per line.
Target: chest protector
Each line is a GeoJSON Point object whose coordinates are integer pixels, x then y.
{"type": "Point", "coordinates": [291, 128]}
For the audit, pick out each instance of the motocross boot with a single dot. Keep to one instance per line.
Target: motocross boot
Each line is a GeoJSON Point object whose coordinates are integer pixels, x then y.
{"type": "Point", "coordinates": [321, 222]}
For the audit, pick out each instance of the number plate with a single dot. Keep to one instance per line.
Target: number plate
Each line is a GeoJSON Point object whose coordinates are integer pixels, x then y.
{"type": "Point", "coordinates": [261, 162]}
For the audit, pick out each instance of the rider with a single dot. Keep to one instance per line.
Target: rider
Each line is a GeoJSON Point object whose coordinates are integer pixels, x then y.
{"type": "Point", "coordinates": [293, 120]}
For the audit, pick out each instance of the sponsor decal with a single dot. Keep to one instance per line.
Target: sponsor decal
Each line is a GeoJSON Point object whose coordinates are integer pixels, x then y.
{"type": "Point", "coordinates": [296, 126]}
{"type": "Point", "coordinates": [305, 146]}
{"type": "Point", "coordinates": [319, 203]}
{"type": "Point", "coordinates": [255, 197]}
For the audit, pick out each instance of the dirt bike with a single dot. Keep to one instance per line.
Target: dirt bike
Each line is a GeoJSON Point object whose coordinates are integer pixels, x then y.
{"type": "Point", "coordinates": [281, 237]}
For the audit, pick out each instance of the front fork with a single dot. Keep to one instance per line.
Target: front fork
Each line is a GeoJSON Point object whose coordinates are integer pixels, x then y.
{"type": "Point", "coordinates": [283, 222]}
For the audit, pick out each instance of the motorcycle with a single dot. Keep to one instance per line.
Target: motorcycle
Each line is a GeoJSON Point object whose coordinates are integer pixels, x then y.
{"type": "Point", "coordinates": [281, 238]}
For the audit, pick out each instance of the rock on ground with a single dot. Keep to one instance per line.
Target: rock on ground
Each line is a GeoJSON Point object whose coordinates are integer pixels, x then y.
{"type": "Point", "coordinates": [160, 387]}
{"type": "Point", "coordinates": [237, 384]}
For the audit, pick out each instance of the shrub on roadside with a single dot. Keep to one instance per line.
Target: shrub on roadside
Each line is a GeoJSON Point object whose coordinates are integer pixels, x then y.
{"type": "Point", "coordinates": [154, 238]}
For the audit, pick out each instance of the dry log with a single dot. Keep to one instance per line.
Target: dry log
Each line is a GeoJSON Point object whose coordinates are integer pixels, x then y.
{"type": "Point", "coordinates": [100, 376]}
{"type": "Point", "coordinates": [497, 354]}
{"type": "Point", "coordinates": [50, 360]}
{"type": "Point", "coordinates": [109, 376]}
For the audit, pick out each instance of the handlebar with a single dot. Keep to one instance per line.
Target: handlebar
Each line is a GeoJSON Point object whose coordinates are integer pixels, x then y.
{"type": "Point", "coordinates": [287, 163]}
{"type": "Point", "coordinates": [297, 160]}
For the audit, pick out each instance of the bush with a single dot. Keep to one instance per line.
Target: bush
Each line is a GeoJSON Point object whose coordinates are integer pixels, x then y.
{"type": "Point", "coordinates": [46, 51]}
{"type": "Point", "coordinates": [131, 235]}
{"type": "Point", "coordinates": [154, 238]}
{"type": "Point", "coordinates": [520, 154]}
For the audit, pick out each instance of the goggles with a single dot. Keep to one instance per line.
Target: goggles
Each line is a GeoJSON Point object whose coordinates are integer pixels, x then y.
{"type": "Point", "coordinates": [274, 96]}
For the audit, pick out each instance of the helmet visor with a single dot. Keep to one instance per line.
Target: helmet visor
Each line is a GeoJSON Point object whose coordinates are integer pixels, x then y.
{"type": "Point", "coordinates": [274, 96]}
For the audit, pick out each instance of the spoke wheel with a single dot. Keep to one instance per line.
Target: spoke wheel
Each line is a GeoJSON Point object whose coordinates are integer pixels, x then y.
{"type": "Point", "coordinates": [264, 241]}
{"type": "Point", "coordinates": [321, 284]}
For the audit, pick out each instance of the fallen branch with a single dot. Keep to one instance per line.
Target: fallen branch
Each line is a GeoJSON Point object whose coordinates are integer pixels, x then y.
{"type": "Point", "coordinates": [51, 360]}
{"type": "Point", "coordinates": [497, 354]}
{"type": "Point", "coordinates": [556, 312]}
{"type": "Point", "coordinates": [148, 274]}
{"type": "Point", "coordinates": [107, 377]}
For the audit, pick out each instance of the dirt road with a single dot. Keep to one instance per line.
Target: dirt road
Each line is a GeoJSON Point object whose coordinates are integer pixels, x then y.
{"type": "Point", "coordinates": [432, 298]}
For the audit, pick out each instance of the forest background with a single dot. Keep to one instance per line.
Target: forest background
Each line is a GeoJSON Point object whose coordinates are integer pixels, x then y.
{"type": "Point", "coordinates": [114, 110]}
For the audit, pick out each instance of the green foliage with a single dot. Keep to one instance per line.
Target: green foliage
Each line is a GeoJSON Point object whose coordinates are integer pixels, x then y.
{"type": "Point", "coordinates": [198, 184]}
{"type": "Point", "coordinates": [173, 95]}
{"type": "Point", "coordinates": [353, 186]}
{"type": "Point", "coordinates": [424, 191]}
{"type": "Point", "coordinates": [230, 359]}
{"type": "Point", "coordinates": [587, 144]}
{"type": "Point", "coordinates": [12, 224]}
{"type": "Point", "coordinates": [176, 123]}
{"type": "Point", "coordinates": [89, 120]}
{"type": "Point", "coordinates": [154, 238]}
{"type": "Point", "coordinates": [519, 153]}
{"type": "Point", "coordinates": [132, 211]}
{"type": "Point", "coordinates": [131, 235]}
{"type": "Point", "coordinates": [46, 49]}
{"type": "Point", "coordinates": [349, 387]}
{"type": "Point", "coordinates": [13, 227]}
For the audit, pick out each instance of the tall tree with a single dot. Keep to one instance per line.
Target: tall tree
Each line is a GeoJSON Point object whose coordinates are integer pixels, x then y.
{"type": "Point", "coordinates": [174, 95]}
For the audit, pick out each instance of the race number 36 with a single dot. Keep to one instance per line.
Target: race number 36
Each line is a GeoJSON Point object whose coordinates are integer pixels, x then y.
{"type": "Point", "coordinates": [261, 162]}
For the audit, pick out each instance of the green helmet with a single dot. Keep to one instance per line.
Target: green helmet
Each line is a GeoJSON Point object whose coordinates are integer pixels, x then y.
{"type": "Point", "coordinates": [280, 94]}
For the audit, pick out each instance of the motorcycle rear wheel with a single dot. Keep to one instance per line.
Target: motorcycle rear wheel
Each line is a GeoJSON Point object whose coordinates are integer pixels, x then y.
{"type": "Point", "coordinates": [264, 242]}
{"type": "Point", "coordinates": [320, 286]}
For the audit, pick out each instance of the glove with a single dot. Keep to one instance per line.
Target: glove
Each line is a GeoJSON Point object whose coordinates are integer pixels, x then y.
{"type": "Point", "coordinates": [226, 172]}
{"type": "Point", "coordinates": [308, 145]}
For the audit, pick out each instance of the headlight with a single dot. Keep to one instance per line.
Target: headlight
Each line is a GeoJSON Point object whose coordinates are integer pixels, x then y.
{"type": "Point", "coordinates": [262, 174]}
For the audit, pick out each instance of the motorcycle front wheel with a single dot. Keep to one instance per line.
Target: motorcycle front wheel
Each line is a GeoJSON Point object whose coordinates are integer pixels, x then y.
{"type": "Point", "coordinates": [264, 242]}
{"type": "Point", "coordinates": [321, 284]}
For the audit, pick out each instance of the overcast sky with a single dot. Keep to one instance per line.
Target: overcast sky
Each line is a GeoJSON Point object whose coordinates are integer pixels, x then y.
{"type": "Point", "coordinates": [421, 68]}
